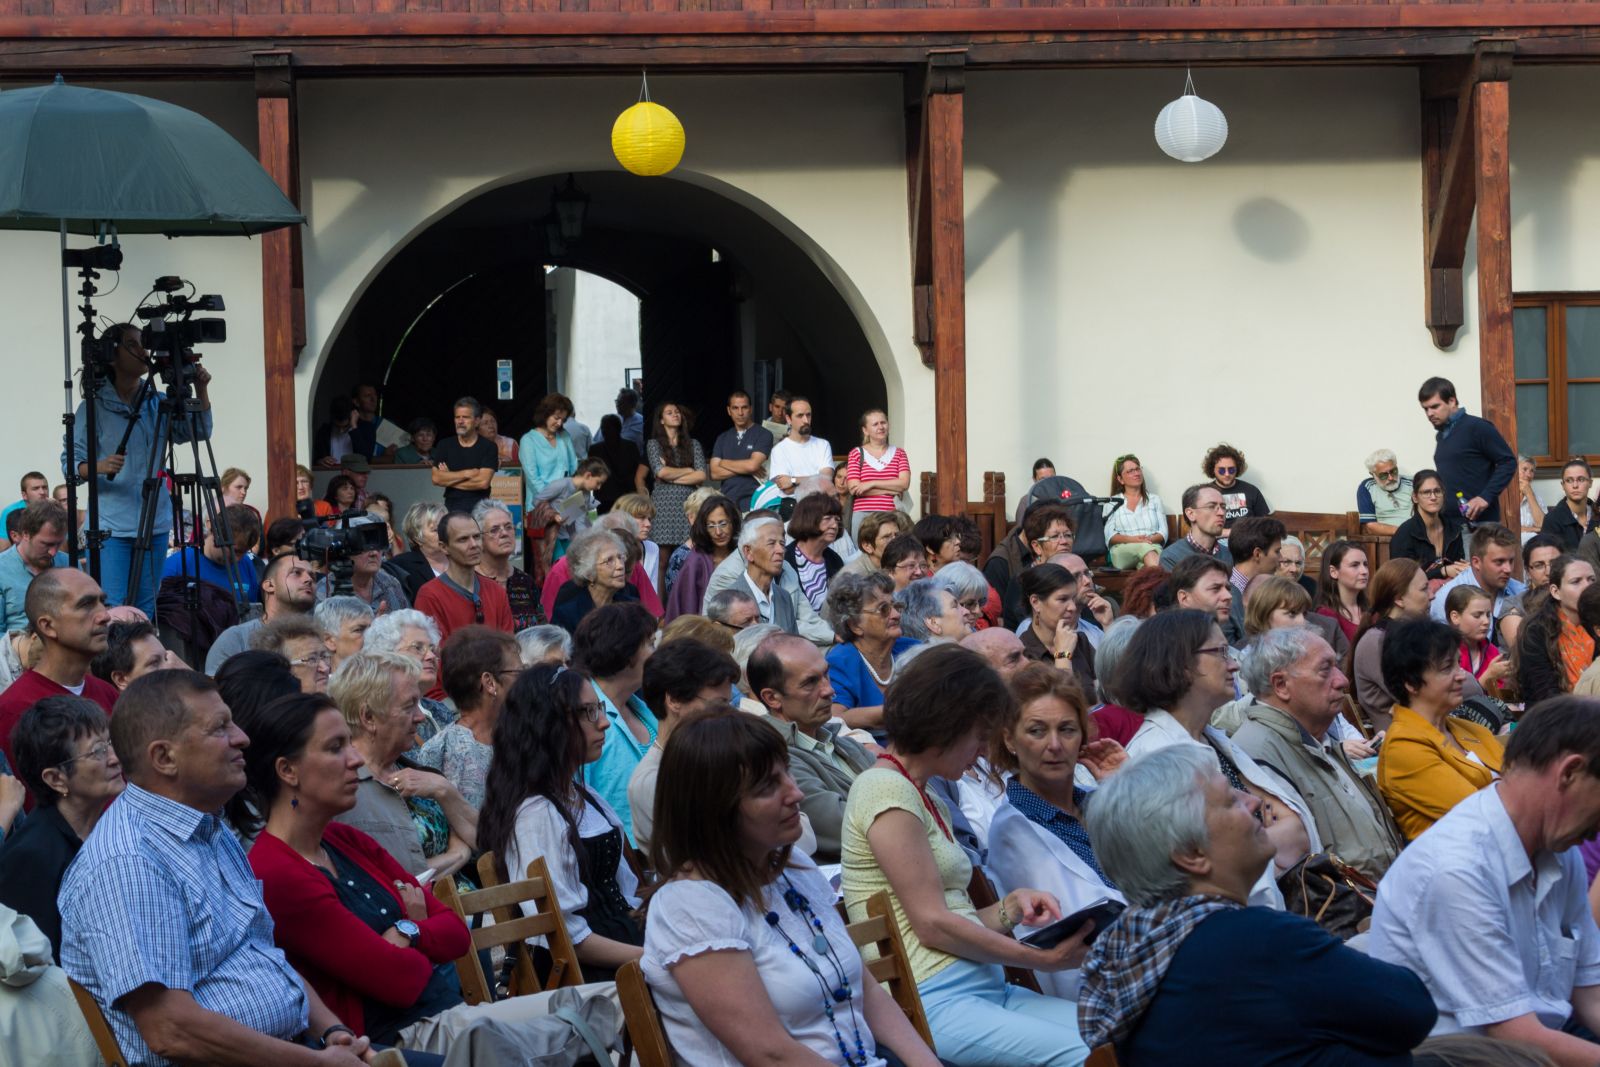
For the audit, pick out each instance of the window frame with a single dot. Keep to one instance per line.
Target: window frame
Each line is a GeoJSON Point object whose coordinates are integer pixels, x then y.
{"type": "Point", "coordinates": [1555, 379]}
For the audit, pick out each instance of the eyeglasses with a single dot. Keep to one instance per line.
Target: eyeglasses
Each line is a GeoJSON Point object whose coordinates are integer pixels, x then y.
{"type": "Point", "coordinates": [1435, 491]}
{"type": "Point", "coordinates": [321, 659]}
{"type": "Point", "coordinates": [713, 527]}
{"type": "Point", "coordinates": [1387, 475]}
{"type": "Point", "coordinates": [1216, 650]}
{"type": "Point", "coordinates": [1220, 469]}
{"type": "Point", "coordinates": [513, 671]}
{"type": "Point", "coordinates": [419, 649]}
{"type": "Point", "coordinates": [970, 605]}
{"type": "Point", "coordinates": [1059, 538]}
{"type": "Point", "coordinates": [592, 712]}
{"type": "Point", "coordinates": [1209, 507]}
{"type": "Point", "coordinates": [1584, 480]}
{"type": "Point", "coordinates": [97, 752]}
{"type": "Point", "coordinates": [884, 610]}
{"type": "Point", "coordinates": [909, 564]}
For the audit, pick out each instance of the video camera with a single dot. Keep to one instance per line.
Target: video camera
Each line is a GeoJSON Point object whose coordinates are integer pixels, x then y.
{"type": "Point", "coordinates": [171, 331]}
{"type": "Point", "coordinates": [335, 547]}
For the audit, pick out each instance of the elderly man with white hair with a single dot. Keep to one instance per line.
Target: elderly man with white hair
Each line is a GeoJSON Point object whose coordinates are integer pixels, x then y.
{"type": "Point", "coordinates": [1190, 973]}
{"type": "Point", "coordinates": [1299, 693]}
{"type": "Point", "coordinates": [758, 568]}
{"type": "Point", "coordinates": [1384, 499]}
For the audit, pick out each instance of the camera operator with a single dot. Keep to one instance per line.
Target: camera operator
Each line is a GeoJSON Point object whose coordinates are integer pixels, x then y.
{"type": "Point", "coordinates": [119, 498]}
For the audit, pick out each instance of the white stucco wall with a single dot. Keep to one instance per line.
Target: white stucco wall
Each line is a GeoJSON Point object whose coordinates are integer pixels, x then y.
{"type": "Point", "coordinates": [1116, 300]}
{"type": "Point", "coordinates": [597, 340]}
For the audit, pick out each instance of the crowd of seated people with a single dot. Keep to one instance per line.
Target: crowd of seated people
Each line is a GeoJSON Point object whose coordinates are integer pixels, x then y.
{"type": "Point", "coordinates": [238, 866]}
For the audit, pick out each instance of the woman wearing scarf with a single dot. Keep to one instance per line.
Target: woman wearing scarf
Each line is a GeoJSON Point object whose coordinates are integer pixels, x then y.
{"type": "Point", "coordinates": [1189, 974]}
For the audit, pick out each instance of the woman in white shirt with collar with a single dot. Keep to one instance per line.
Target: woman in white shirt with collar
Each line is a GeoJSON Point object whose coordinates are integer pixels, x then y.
{"type": "Point", "coordinates": [1177, 670]}
{"type": "Point", "coordinates": [747, 958]}
{"type": "Point", "coordinates": [1037, 837]}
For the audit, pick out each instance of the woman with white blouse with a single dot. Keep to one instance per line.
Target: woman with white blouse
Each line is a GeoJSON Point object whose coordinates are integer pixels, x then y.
{"type": "Point", "coordinates": [1136, 531]}
{"type": "Point", "coordinates": [747, 957]}
{"type": "Point", "coordinates": [535, 806]}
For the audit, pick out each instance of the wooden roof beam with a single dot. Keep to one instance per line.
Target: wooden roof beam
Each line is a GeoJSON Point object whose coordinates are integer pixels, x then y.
{"type": "Point", "coordinates": [1449, 191]}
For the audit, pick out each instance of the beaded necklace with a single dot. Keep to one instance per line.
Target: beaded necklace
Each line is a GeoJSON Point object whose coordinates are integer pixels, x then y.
{"type": "Point", "coordinates": [823, 948]}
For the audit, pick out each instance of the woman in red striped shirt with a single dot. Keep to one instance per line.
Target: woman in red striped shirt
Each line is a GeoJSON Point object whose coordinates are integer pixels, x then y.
{"type": "Point", "coordinates": [876, 471]}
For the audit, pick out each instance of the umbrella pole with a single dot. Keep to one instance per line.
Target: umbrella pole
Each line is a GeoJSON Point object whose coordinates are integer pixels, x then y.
{"type": "Point", "coordinates": [69, 418]}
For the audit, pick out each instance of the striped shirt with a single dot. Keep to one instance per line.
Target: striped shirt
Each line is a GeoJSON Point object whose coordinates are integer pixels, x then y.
{"type": "Point", "coordinates": [1149, 519]}
{"type": "Point", "coordinates": [860, 467]}
{"type": "Point", "coordinates": [162, 894]}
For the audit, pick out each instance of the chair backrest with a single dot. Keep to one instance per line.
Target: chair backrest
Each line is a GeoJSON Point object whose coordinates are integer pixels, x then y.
{"type": "Point", "coordinates": [982, 893]}
{"type": "Point", "coordinates": [99, 1028]}
{"type": "Point", "coordinates": [1104, 1056]}
{"type": "Point", "coordinates": [511, 928]}
{"type": "Point", "coordinates": [644, 1022]}
{"type": "Point", "coordinates": [891, 967]}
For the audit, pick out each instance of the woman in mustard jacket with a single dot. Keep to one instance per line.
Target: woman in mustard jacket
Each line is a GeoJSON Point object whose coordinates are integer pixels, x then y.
{"type": "Point", "coordinates": [1430, 760]}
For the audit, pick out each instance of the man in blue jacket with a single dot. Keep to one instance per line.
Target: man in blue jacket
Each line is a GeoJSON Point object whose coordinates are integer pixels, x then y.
{"type": "Point", "coordinates": [1471, 456]}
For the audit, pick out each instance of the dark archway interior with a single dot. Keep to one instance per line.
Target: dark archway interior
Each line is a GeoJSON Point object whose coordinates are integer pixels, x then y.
{"type": "Point", "coordinates": [719, 288]}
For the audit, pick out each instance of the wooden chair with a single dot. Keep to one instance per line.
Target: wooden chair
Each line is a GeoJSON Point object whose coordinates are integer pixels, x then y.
{"type": "Point", "coordinates": [644, 1023]}
{"type": "Point", "coordinates": [891, 966]}
{"type": "Point", "coordinates": [1104, 1056]}
{"type": "Point", "coordinates": [511, 928]}
{"type": "Point", "coordinates": [982, 893]}
{"type": "Point", "coordinates": [99, 1028]}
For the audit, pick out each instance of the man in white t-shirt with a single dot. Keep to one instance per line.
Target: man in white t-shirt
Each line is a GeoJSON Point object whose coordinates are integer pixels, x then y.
{"type": "Point", "coordinates": [799, 455]}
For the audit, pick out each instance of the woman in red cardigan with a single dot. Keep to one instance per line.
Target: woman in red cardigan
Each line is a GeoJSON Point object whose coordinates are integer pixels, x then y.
{"type": "Point", "coordinates": [376, 946]}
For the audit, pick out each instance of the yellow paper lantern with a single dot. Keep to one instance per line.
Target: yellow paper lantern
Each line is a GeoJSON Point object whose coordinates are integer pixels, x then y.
{"type": "Point", "coordinates": [647, 139]}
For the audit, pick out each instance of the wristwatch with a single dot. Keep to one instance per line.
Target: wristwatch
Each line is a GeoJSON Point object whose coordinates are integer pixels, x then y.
{"type": "Point", "coordinates": [410, 929]}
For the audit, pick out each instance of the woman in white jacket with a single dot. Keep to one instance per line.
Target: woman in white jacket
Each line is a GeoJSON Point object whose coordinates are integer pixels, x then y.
{"type": "Point", "coordinates": [1037, 836]}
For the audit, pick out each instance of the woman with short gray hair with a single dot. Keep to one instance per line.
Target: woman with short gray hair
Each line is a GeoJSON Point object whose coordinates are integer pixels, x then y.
{"type": "Point", "coordinates": [1113, 719]}
{"type": "Point", "coordinates": [862, 611]}
{"type": "Point", "coordinates": [929, 613]}
{"type": "Point", "coordinates": [1190, 973]}
{"type": "Point", "coordinates": [426, 559]}
{"type": "Point", "coordinates": [545, 645]}
{"type": "Point", "coordinates": [970, 588]}
{"type": "Point", "coordinates": [415, 636]}
{"type": "Point", "coordinates": [598, 562]}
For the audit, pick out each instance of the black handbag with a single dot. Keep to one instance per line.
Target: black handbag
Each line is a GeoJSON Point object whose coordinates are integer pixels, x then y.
{"type": "Point", "coordinates": [1486, 711]}
{"type": "Point", "coordinates": [1330, 893]}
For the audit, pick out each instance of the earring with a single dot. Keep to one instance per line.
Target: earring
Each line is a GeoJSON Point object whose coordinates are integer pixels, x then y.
{"type": "Point", "coordinates": [294, 801]}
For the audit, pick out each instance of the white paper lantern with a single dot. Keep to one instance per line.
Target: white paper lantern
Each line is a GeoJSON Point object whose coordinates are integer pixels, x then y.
{"type": "Point", "coordinates": [1191, 129]}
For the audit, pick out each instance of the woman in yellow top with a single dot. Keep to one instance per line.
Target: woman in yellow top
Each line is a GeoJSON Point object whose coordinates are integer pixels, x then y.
{"type": "Point", "coordinates": [1430, 760]}
{"type": "Point", "coordinates": [939, 715]}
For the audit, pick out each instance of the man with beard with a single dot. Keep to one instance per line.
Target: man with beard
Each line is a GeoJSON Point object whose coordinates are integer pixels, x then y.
{"type": "Point", "coordinates": [287, 588]}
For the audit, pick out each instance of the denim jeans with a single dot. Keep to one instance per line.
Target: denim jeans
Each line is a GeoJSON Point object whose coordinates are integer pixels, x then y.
{"type": "Point", "coordinates": [979, 1021]}
{"type": "Point", "coordinates": [116, 556]}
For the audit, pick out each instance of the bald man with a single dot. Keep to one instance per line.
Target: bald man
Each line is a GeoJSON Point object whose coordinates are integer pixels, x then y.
{"type": "Point", "coordinates": [1001, 647]}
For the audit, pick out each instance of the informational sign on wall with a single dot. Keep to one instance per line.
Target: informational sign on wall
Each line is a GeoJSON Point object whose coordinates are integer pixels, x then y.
{"type": "Point", "coordinates": [502, 369]}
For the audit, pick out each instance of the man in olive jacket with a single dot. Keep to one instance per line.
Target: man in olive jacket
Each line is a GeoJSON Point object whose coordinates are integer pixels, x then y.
{"type": "Point", "coordinates": [1299, 690]}
{"type": "Point", "coordinates": [790, 678]}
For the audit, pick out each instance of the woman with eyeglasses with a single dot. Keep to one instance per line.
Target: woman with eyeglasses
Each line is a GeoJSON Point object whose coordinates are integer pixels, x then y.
{"type": "Point", "coordinates": [714, 535]}
{"type": "Point", "coordinates": [412, 811]}
{"type": "Point", "coordinates": [1176, 671]}
{"type": "Point", "coordinates": [480, 665]}
{"type": "Point", "coordinates": [1433, 535]}
{"type": "Point", "coordinates": [1574, 514]}
{"type": "Point", "coordinates": [1136, 531]}
{"type": "Point", "coordinates": [536, 805]}
{"type": "Point", "coordinates": [861, 609]}
{"type": "Point", "coordinates": [416, 637]}
{"type": "Point", "coordinates": [65, 760]}
{"type": "Point", "coordinates": [1052, 637]}
{"type": "Point", "coordinates": [905, 561]}
{"type": "Point", "coordinates": [1532, 512]}
{"type": "Point", "coordinates": [1225, 466]}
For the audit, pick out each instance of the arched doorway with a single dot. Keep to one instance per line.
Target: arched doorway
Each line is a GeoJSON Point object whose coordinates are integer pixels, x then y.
{"type": "Point", "coordinates": [726, 300]}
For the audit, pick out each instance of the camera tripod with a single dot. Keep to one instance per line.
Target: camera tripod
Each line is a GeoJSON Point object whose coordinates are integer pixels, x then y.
{"type": "Point", "coordinates": [179, 409]}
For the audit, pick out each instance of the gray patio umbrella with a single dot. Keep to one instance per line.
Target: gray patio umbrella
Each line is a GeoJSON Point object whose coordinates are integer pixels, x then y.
{"type": "Point", "coordinates": [90, 157]}
{"type": "Point", "coordinates": [90, 161]}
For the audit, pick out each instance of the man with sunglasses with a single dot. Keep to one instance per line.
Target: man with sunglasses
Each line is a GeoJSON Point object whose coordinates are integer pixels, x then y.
{"type": "Point", "coordinates": [1384, 500]}
{"type": "Point", "coordinates": [1225, 465]}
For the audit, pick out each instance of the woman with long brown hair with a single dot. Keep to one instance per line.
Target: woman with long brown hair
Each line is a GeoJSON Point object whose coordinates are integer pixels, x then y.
{"type": "Point", "coordinates": [679, 465]}
{"type": "Point", "coordinates": [1554, 648]}
{"type": "Point", "coordinates": [1342, 586]}
{"type": "Point", "coordinates": [1398, 590]}
{"type": "Point", "coordinates": [1136, 531]}
{"type": "Point", "coordinates": [748, 959]}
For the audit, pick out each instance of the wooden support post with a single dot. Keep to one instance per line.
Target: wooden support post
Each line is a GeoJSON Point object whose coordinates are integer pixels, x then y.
{"type": "Point", "coordinates": [935, 123]}
{"type": "Point", "coordinates": [1449, 189]}
{"type": "Point", "coordinates": [1491, 129]}
{"type": "Point", "coordinates": [279, 262]}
